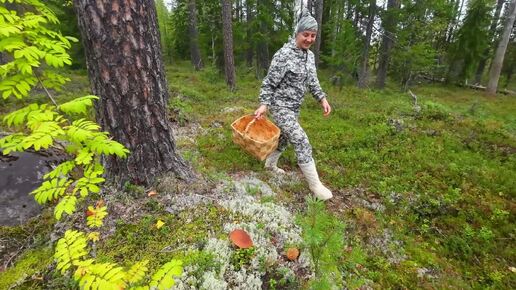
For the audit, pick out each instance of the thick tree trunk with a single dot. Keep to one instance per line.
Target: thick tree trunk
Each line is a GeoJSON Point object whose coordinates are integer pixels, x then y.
{"type": "Point", "coordinates": [496, 66]}
{"type": "Point", "coordinates": [389, 27]}
{"type": "Point", "coordinates": [125, 68]}
{"type": "Point", "coordinates": [492, 34]}
{"type": "Point", "coordinates": [227, 27]}
{"type": "Point", "coordinates": [195, 52]}
{"type": "Point", "coordinates": [318, 16]}
{"type": "Point", "coordinates": [309, 5]}
{"type": "Point", "coordinates": [363, 69]}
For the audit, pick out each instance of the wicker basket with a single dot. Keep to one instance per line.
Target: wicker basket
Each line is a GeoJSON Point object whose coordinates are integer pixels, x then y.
{"type": "Point", "coordinates": [258, 137]}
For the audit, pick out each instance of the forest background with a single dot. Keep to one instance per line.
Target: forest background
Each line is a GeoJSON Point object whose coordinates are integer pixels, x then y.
{"type": "Point", "coordinates": [419, 151]}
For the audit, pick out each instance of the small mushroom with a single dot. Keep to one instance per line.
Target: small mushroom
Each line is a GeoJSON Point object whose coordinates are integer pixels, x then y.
{"type": "Point", "coordinates": [292, 254]}
{"type": "Point", "coordinates": [241, 239]}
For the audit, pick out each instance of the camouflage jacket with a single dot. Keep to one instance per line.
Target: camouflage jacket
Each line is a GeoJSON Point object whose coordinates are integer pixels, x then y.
{"type": "Point", "coordinates": [292, 70]}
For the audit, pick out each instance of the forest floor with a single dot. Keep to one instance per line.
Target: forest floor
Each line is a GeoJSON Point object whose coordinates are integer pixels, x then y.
{"type": "Point", "coordinates": [426, 194]}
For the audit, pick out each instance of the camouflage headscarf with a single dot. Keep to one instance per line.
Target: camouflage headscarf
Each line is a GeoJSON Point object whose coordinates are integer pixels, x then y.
{"type": "Point", "coordinates": [306, 22]}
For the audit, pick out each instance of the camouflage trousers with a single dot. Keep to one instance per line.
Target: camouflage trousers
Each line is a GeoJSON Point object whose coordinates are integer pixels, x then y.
{"type": "Point", "coordinates": [291, 132]}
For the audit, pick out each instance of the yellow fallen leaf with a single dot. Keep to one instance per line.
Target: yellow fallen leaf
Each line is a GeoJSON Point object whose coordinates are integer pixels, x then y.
{"type": "Point", "coordinates": [152, 193]}
{"type": "Point", "coordinates": [159, 224]}
{"type": "Point", "coordinates": [94, 236]}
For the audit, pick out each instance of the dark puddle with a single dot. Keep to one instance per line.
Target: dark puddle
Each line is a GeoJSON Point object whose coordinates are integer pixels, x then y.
{"type": "Point", "coordinates": [21, 173]}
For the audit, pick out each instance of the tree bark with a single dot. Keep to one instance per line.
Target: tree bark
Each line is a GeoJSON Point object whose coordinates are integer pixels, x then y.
{"type": "Point", "coordinates": [496, 67]}
{"type": "Point", "coordinates": [318, 16]}
{"type": "Point", "coordinates": [363, 70]}
{"type": "Point", "coordinates": [195, 52]}
{"type": "Point", "coordinates": [492, 34]}
{"type": "Point", "coordinates": [249, 34]}
{"type": "Point", "coordinates": [262, 47]}
{"type": "Point", "coordinates": [125, 68]}
{"type": "Point", "coordinates": [309, 5]}
{"type": "Point", "coordinates": [227, 27]}
{"type": "Point", "coordinates": [389, 27]}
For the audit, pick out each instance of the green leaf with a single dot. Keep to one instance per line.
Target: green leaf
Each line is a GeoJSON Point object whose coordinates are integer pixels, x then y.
{"type": "Point", "coordinates": [84, 157]}
{"type": "Point", "coordinates": [106, 276]}
{"type": "Point", "coordinates": [18, 117]}
{"type": "Point", "coordinates": [78, 105]}
{"type": "Point", "coordinates": [137, 272]}
{"type": "Point", "coordinates": [163, 278]}
{"type": "Point", "coordinates": [70, 249]}
{"type": "Point", "coordinates": [65, 205]}
{"type": "Point", "coordinates": [61, 170]}
{"type": "Point", "coordinates": [51, 189]}
{"type": "Point", "coordinates": [12, 143]}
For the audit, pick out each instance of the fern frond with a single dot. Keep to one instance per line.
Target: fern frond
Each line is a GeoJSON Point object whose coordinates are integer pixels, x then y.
{"type": "Point", "coordinates": [95, 216]}
{"type": "Point", "coordinates": [101, 276]}
{"type": "Point", "coordinates": [12, 143]}
{"type": "Point", "coordinates": [51, 189]}
{"type": "Point", "coordinates": [136, 272]}
{"type": "Point", "coordinates": [78, 105]}
{"type": "Point", "coordinates": [70, 249]}
{"type": "Point", "coordinates": [65, 205]}
{"type": "Point", "coordinates": [163, 278]}
{"type": "Point", "coordinates": [61, 170]}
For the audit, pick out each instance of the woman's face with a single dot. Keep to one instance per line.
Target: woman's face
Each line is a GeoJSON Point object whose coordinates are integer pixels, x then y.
{"type": "Point", "coordinates": [305, 39]}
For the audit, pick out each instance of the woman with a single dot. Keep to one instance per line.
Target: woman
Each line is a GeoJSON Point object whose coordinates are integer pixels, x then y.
{"type": "Point", "coordinates": [292, 70]}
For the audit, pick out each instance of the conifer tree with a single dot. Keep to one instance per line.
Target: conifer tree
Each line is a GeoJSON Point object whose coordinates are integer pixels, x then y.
{"type": "Point", "coordinates": [126, 71]}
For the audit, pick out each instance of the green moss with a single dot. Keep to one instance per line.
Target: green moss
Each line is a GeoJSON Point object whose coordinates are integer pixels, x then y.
{"type": "Point", "coordinates": [140, 241]}
{"type": "Point", "coordinates": [27, 272]}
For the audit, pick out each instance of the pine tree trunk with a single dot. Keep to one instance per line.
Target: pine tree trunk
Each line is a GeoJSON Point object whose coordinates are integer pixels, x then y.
{"type": "Point", "coordinates": [309, 5]}
{"type": "Point", "coordinates": [496, 66]}
{"type": "Point", "coordinates": [318, 16]}
{"type": "Point", "coordinates": [389, 26]}
{"type": "Point", "coordinates": [125, 68]}
{"type": "Point", "coordinates": [363, 70]}
{"type": "Point", "coordinates": [229, 62]}
{"type": "Point", "coordinates": [492, 33]}
{"type": "Point", "coordinates": [195, 52]}
{"type": "Point", "coordinates": [262, 47]}
{"type": "Point", "coordinates": [249, 32]}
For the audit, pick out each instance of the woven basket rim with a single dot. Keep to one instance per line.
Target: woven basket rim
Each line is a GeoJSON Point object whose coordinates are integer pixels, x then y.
{"type": "Point", "coordinates": [257, 141]}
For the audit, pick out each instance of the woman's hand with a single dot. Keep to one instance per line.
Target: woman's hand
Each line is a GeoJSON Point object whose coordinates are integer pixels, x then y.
{"type": "Point", "coordinates": [326, 107]}
{"type": "Point", "coordinates": [260, 112]}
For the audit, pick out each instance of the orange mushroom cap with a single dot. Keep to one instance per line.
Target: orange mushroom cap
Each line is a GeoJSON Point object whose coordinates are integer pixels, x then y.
{"type": "Point", "coordinates": [241, 239]}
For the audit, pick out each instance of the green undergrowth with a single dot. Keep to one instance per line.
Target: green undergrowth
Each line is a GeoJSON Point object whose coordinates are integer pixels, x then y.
{"type": "Point", "coordinates": [450, 164]}
{"type": "Point", "coordinates": [444, 173]}
{"type": "Point", "coordinates": [133, 242]}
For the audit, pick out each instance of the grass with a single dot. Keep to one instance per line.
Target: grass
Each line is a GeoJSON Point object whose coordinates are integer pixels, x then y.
{"type": "Point", "coordinates": [446, 177]}
{"type": "Point", "coordinates": [452, 163]}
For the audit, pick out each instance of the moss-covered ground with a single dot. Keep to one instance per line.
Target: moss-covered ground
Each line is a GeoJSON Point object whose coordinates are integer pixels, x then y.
{"type": "Point", "coordinates": [427, 192]}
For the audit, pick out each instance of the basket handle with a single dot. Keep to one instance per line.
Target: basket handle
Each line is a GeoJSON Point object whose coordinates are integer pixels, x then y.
{"type": "Point", "coordinates": [249, 126]}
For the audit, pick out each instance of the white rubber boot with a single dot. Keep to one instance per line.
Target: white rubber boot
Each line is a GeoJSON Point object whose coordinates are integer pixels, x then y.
{"type": "Point", "coordinates": [271, 163]}
{"type": "Point", "coordinates": [320, 191]}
